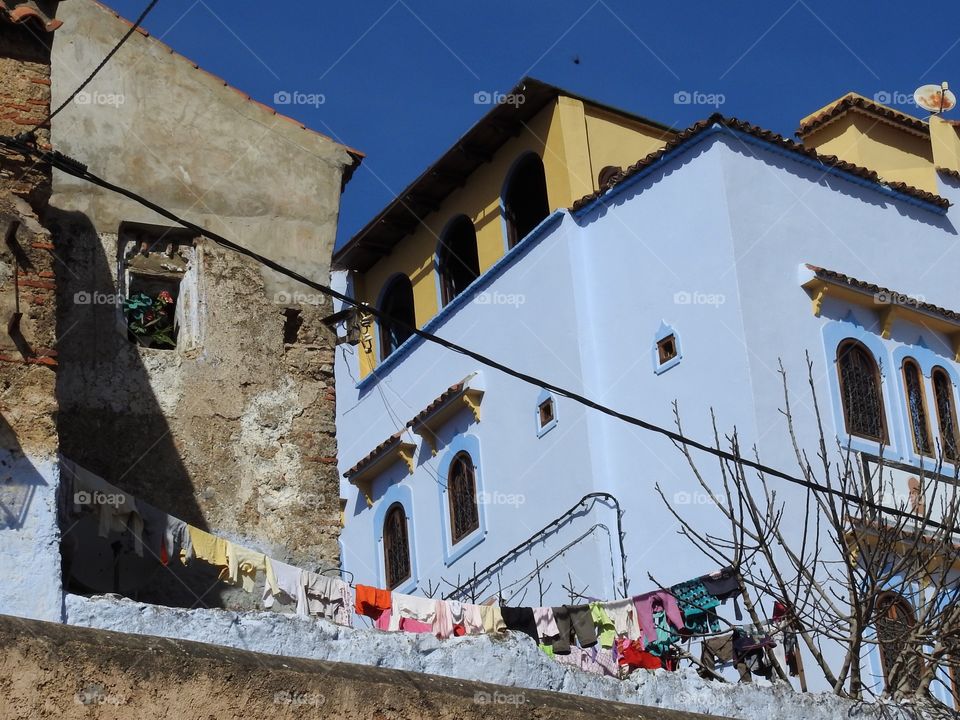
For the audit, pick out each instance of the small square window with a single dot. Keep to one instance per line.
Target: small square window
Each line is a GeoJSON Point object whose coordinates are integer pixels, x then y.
{"type": "Point", "coordinates": [545, 410]}
{"type": "Point", "coordinates": [151, 310]}
{"type": "Point", "coordinates": [666, 349]}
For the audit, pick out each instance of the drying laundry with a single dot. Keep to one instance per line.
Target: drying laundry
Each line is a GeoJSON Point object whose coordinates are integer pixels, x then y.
{"type": "Point", "coordinates": [243, 565]}
{"type": "Point", "coordinates": [492, 619]}
{"type": "Point", "coordinates": [521, 620]}
{"type": "Point", "coordinates": [646, 605]}
{"type": "Point", "coordinates": [286, 584]}
{"type": "Point", "coordinates": [206, 547]}
{"type": "Point", "coordinates": [472, 619]}
{"type": "Point", "coordinates": [607, 631]}
{"type": "Point", "coordinates": [371, 601]}
{"type": "Point", "coordinates": [573, 620]}
{"type": "Point", "coordinates": [724, 585]}
{"type": "Point", "coordinates": [329, 597]}
{"type": "Point", "coordinates": [623, 614]}
{"type": "Point", "coordinates": [718, 651]}
{"type": "Point", "coordinates": [116, 510]}
{"type": "Point", "coordinates": [633, 656]}
{"type": "Point", "coordinates": [546, 624]}
{"type": "Point", "coordinates": [697, 606]}
{"type": "Point", "coordinates": [410, 606]}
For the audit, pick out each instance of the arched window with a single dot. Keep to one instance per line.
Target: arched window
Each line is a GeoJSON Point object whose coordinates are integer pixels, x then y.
{"type": "Point", "coordinates": [396, 546]}
{"type": "Point", "coordinates": [860, 391]}
{"type": "Point", "coordinates": [525, 198]}
{"type": "Point", "coordinates": [462, 496]}
{"type": "Point", "coordinates": [894, 621]}
{"type": "Point", "coordinates": [946, 412]}
{"type": "Point", "coordinates": [457, 260]}
{"type": "Point", "coordinates": [397, 301]}
{"type": "Point", "coordinates": [916, 406]}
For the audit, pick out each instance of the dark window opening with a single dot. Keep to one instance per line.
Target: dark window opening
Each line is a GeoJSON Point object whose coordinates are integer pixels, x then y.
{"type": "Point", "coordinates": [292, 321]}
{"type": "Point", "coordinates": [860, 392]}
{"type": "Point", "coordinates": [525, 202]}
{"type": "Point", "coordinates": [666, 349]}
{"type": "Point", "coordinates": [894, 623]}
{"type": "Point", "coordinates": [946, 412]}
{"type": "Point", "coordinates": [457, 260]}
{"type": "Point", "coordinates": [396, 546]}
{"type": "Point", "coordinates": [916, 406]}
{"type": "Point", "coordinates": [397, 302]}
{"type": "Point", "coordinates": [462, 496]}
{"type": "Point", "coordinates": [545, 412]}
{"type": "Point", "coordinates": [150, 310]}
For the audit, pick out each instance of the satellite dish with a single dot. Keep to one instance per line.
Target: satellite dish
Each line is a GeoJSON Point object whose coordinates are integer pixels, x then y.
{"type": "Point", "coordinates": [935, 98]}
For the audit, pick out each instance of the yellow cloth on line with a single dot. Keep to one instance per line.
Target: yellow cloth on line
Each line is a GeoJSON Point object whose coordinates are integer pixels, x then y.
{"type": "Point", "coordinates": [492, 619]}
{"type": "Point", "coordinates": [242, 565]}
{"type": "Point", "coordinates": [207, 547]}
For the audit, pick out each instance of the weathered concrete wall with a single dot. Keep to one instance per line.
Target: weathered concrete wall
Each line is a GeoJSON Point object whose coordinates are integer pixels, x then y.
{"type": "Point", "coordinates": [29, 535]}
{"type": "Point", "coordinates": [512, 661]}
{"type": "Point", "coordinates": [55, 671]}
{"type": "Point", "coordinates": [235, 432]}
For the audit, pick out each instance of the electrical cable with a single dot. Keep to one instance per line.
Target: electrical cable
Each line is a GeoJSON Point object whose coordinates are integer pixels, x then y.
{"type": "Point", "coordinates": [98, 68]}
{"type": "Point", "coordinates": [79, 170]}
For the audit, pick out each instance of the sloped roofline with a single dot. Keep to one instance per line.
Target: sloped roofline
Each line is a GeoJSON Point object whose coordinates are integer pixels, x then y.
{"type": "Point", "coordinates": [422, 196]}
{"type": "Point", "coordinates": [855, 101]}
{"type": "Point", "coordinates": [355, 154]}
{"type": "Point", "coordinates": [697, 130]}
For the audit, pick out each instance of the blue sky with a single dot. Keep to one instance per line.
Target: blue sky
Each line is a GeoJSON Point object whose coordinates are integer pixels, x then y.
{"type": "Point", "coordinates": [398, 77]}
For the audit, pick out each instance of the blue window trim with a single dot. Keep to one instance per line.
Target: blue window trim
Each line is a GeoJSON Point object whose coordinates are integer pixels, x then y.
{"type": "Point", "coordinates": [663, 331]}
{"type": "Point", "coordinates": [402, 494]}
{"type": "Point", "coordinates": [467, 296]}
{"type": "Point", "coordinates": [541, 398]}
{"type": "Point", "coordinates": [836, 331]}
{"type": "Point", "coordinates": [469, 444]}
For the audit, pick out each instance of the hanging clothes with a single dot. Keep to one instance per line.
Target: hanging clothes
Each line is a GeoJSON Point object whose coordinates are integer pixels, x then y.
{"type": "Point", "coordinates": [209, 548]}
{"type": "Point", "coordinates": [697, 606]}
{"type": "Point", "coordinates": [492, 619]}
{"type": "Point", "coordinates": [667, 636]}
{"type": "Point", "coordinates": [546, 623]}
{"type": "Point", "coordinates": [451, 611]}
{"type": "Point", "coordinates": [633, 656]}
{"type": "Point", "coordinates": [723, 585]}
{"type": "Point", "coordinates": [472, 619]}
{"type": "Point", "coordinates": [718, 650]}
{"type": "Point", "coordinates": [243, 565]}
{"type": "Point", "coordinates": [411, 606]}
{"type": "Point", "coordinates": [329, 597]}
{"type": "Point", "coordinates": [176, 539]}
{"type": "Point", "coordinates": [573, 621]}
{"type": "Point", "coordinates": [623, 614]}
{"type": "Point", "coordinates": [749, 647]}
{"type": "Point", "coordinates": [285, 583]}
{"type": "Point", "coordinates": [520, 619]}
{"type": "Point", "coordinates": [645, 605]}
{"type": "Point", "coordinates": [592, 660]}
{"type": "Point", "coordinates": [607, 632]}
{"type": "Point", "coordinates": [116, 510]}
{"type": "Point", "coordinates": [371, 601]}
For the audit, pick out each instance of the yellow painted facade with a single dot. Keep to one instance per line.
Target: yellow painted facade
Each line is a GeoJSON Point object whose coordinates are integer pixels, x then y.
{"type": "Point", "coordinates": [574, 139]}
{"type": "Point", "coordinates": [945, 139]}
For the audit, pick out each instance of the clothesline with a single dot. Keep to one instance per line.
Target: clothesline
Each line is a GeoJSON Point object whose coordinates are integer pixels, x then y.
{"type": "Point", "coordinates": [599, 636]}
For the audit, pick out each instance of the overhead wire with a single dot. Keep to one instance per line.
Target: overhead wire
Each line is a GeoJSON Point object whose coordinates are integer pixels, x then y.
{"type": "Point", "coordinates": [79, 170]}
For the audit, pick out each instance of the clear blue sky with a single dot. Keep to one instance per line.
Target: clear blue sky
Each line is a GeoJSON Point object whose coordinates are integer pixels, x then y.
{"type": "Point", "coordinates": [398, 77]}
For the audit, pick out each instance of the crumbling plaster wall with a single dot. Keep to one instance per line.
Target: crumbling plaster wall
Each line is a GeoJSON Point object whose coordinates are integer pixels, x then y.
{"type": "Point", "coordinates": [235, 435]}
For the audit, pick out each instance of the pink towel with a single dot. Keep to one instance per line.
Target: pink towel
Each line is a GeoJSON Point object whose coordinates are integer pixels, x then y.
{"type": "Point", "coordinates": [644, 604]}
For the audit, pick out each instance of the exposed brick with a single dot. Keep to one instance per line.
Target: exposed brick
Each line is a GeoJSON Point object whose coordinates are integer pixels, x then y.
{"type": "Point", "coordinates": [42, 246]}
{"type": "Point", "coordinates": [38, 284]}
{"type": "Point", "coordinates": [48, 361]}
{"type": "Point", "coordinates": [46, 274]}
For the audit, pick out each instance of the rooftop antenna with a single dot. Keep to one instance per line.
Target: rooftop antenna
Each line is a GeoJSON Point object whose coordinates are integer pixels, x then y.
{"type": "Point", "coordinates": [935, 99]}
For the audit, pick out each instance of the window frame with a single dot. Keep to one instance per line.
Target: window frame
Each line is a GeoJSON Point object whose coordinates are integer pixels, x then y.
{"type": "Point", "coordinates": [511, 232]}
{"type": "Point", "coordinates": [942, 372]}
{"type": "Point", "coordinates": [384, 327]}
{"type": "Point", "coordinates": [886, 602]}
{"type": "Point", "coordinates": [462, 459]}
{"type": "Point", "coordinates": [390, 581]}
{"type": "Point", "coordinates": [445, 250]}
{"type": "Point", "coordinates": [905, 366]}
{"type": "Point", "coordinates": [848, 342]}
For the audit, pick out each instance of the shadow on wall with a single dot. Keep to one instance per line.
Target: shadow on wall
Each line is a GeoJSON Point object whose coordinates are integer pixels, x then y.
{"type": "Point", "coordinates": [19, 480]}
{"type": "Point", "coordinates": [111, 422]}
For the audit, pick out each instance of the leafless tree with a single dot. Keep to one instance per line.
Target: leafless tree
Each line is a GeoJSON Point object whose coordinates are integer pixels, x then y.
{"type": "Point", "coordinates": [866, 560]}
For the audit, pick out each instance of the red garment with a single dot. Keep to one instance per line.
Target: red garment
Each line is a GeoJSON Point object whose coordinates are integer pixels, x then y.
{"type": "Point", "coordinates": [459, 630]}
{"type": "Point", "coordinates": [634, 656]}
{"type": "Point", "coordinates": [371, 601]}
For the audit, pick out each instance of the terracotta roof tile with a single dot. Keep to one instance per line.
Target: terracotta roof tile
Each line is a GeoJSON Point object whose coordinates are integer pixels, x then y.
{"type": "Point", "coordinates": [18, 11]}
{"type": "Point", "coordinates": [852, 100]}
{"type": "Point", "coordinates": [949, 173]}
{"type": "Point", "coordinates": [436, 404]}
{"type": "Point", "coordinates": [373, 454]}
{"type": "Point", "coordinates": [835, 276]}
{"type": "Point", "coordinates": [769, 136]}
